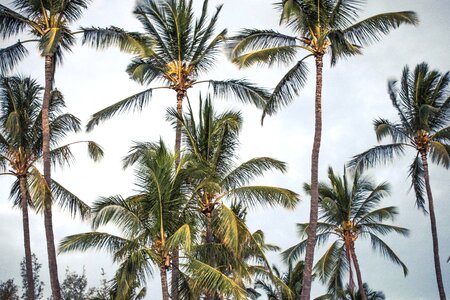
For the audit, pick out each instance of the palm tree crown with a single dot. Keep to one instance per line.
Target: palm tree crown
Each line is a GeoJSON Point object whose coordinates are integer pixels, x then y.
{"type": "Point", "coordinates": [349, 210]}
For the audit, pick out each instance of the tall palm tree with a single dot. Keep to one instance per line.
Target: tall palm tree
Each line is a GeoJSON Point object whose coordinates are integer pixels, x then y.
{"type": "Point", "coordinates": [348, 211]}
{"type": "Point", "coordinates": [211, 143]}
{"type": "Point", "coordinates": [320, 26]}
{"type": "Point", "coordinates": [148, 220]}
{"type": "Point", "coordinates": [423, 106]}
{"type": "Point", "coordinates": [21, 148]}
{"type": "Point", "coordinates": [47, 22]}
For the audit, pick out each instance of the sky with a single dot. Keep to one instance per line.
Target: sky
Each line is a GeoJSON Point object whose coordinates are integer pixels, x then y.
{"type": "Point", "coordinates": [354, 93]}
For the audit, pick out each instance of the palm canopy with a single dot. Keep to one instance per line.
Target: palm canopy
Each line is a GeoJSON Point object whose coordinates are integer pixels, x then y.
{"type": "Point", "coordinates": [320, 27]}
{"type": "Point", "coordinates": [423, 105]}
{"type": "Point", "coordinates": [44, 21]}
{"type": "Point", "coordinates": [211, 141]}
{"type": "Point", "coordinates": [21, 138]}
{"type": "Point", "coordinates": [176, 48]}
{"type": "Point", "coordinates": [348, 210]}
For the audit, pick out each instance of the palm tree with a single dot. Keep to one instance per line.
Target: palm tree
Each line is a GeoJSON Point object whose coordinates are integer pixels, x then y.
{"type": "Point", "coordinates": [423, 107]}
{"type": "Point", "coordinates": [274, 287]}
{"type": "Point", "coordinates": [321, 26]}
{"type": "Point", "coordinates": [211, 142]}
{"type": "Point", "coordinates": [148, 220]}
{"type": "Point", "coordinates": [21, 148]}
{"type": "Point", "coordinates": [348, 211]}
{"type": "Point", "coordinates": [175, 48]}
{"type": "Point", "coordinates": [47, 22]}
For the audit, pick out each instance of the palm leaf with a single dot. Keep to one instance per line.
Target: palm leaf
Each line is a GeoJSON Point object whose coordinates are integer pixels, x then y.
{"type": "Point", "coordinates": [378, 244]}
{"type": "Point", "coordinates": [265, 195]}
{"type": "Point", "coordinates": [11, 56]}
{"type": "Point", "coordinates": [136, 103]}
{"type": "Point", "coordinates": [70, 202]}
{"type": "Point", "coordinates": [418, 182]}
{"type": "Point", "coordinates": [376, 155]}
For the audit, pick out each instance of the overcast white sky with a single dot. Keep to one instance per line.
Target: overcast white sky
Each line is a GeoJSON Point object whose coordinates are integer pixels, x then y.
{"type": "Point", "coordinates": [354, 93]}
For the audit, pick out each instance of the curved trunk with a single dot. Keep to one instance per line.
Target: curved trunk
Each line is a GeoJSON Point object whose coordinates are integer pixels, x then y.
{"type": "Point", "coordinates": [52, 264]}
{"type": "Point", "coordinates": [313, 213]}
{"type": "Point", "coordinates": [164, 286]}
{"type": "Point", "coordinates": [362, 293]}
{"type": "Point", "coordinates": [26, 237]}
{"type": "Point", "coordinates": [434, 234]}
{"type": "Point", "coordinates": [175, 253]}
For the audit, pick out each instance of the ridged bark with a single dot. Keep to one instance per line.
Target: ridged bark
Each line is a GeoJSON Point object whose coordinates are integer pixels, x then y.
{"type": "Point", "coordinates": [313, 213]}
{"type": "Point", "coordinates": [48, 222]}
{"type": "Point", "coordinates": [362, 293]}
{"type": "Point", "coordinates": [349, 252]}
{"type": "Point", "coordinates": [26, 237]}
{"type": "Point", "coordinates": [209, 239]}
{"type": "Point", "coordinates": [434, 234]}
{"type": "Point", "coordinates": [175, 253]}
{"type": "Point", "coordinates": [164, 286]}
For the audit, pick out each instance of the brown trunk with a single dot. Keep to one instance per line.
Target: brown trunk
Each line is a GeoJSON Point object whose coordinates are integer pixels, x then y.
{"type": "Point", "coordinates": [164, 286]}
{"type": "Point", "coordinates": [362, 293]}
{"type": "Point", "coordinates": [26, 237]}
{"type": "Point", "coordinates": [52, 264]}
{"type": "Point", "coordinates": [313, 213]}
{"type": "Point", "coordinates": [348, 250]}
{"type": "Point", "coordinates": [434, 234]}
{"type": "Point", "coordinates": [209, 239]}
{"type": "Point", "coordinates": [175, 253]}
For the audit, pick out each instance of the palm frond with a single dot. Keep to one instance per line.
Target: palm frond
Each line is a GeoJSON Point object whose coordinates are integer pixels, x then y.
{"type": "Point", "coordinates": [326, 265]}
{"type": "Point", "coordinates": [241, 89]}
{"type": "Point", "coordinates": [289, 85]}
{"type": "Point", "coordinates": [440, 153]}
{"type": "Point", "coordinates": [70, 202]}
{"type": "Point", "coordinates": [11, 56]}
{"type": "Point", "coordinates": [265, 196]}
{"type": "Point", "coordinates": [418, 182]}
{"type": "Point", "coordinates": [380, 245]}
{"type": "Point", "coordinates": [373, 28]}
{"type": "Point", "coordinates": [210, 279]}
{"type": "Point", "coordinates": [180, 238]}
{"type": "Point", "coordinates": [376, 155]}
{"type": "Point", "coordinates": [91, 240]}
{"type": "Point", "coordinates": [136, 103]}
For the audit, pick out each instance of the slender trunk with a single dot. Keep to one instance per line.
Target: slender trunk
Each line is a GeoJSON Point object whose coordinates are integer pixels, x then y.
{"type": "Point", "coordinates": [434, 234]}
{"type": "Point", "coordinates": [209, 239]}
{"type": "Point", "coordinates": [348, 250]}
{"type": "Point", "coordinates": [164, 286]}
{"type": "Point", "coordinates": [313, 213]}
{"type": "Point", "coordinates": [362, 293]}
{"type": "Point", "coordinates": [175, 253]}
{"type": "Point", "coordinates": [52, 264]}
{"type": "Point", "coordinates": [26, 237]}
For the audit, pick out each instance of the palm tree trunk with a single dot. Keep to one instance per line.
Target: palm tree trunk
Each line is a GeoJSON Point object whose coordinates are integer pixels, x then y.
{"type": "Point", "coordinates": [175, 253]}
{"type": "Point", "coordinates": [313, 213]}
{"type": "Point", "coordinates": [209, 239]}
{"type": "Point", "coordinates": [52, 264]}
{"type": "Point", "coordinates": [26, 237]}
{"type": "Point", "coordinates": [434, 234]}
{"type": "Point", "coordinates": [348, 250]}
{"type": "Point", "coordinates": [164, 286]}
{"type": "Point", "coordinates": [362, 293]}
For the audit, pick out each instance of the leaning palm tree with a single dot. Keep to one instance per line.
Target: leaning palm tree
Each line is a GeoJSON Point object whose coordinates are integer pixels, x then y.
{"type": "Point", "coordinates": [47, 24]}
{"type": "Point", "coordinates": [21, 148]}
{"type": "Point", "coordinates": [321, 26]}
{"type": "Point", "coordinates": [423, 107]}
{"type": "Point", "coordinates": [211, 143]}
{"type": "Point", "coordinates": [348, 211]}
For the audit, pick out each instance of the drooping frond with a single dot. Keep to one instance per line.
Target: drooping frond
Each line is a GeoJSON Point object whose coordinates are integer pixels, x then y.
{"type": "Point", "coordinates": [373, 28]}
{"type": "Point", "coordinates": [376, 155]}
{"type": "Point", "coordinates": [69, 201]}
{"type": "Point", "coordinates": [11, 56]}
{"type": "Point", "coordinates": [265, 196]}
{"type": "Point", "coordinates": [287, 88]}
{"type": "Point", "coordinates": [136, 103]}
{"type": "Point", "coordinates": [240, 89]}
{"type": "Point", "coordinates": [381, 246]}
{"type": "Point", "coordinates": [91, 240]}
{"type": "Point", "coordinates": [418, 182]}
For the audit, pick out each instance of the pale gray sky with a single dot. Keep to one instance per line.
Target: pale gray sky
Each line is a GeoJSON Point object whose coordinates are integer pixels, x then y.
{"type": "Point", "coordinates": [354, 93]}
